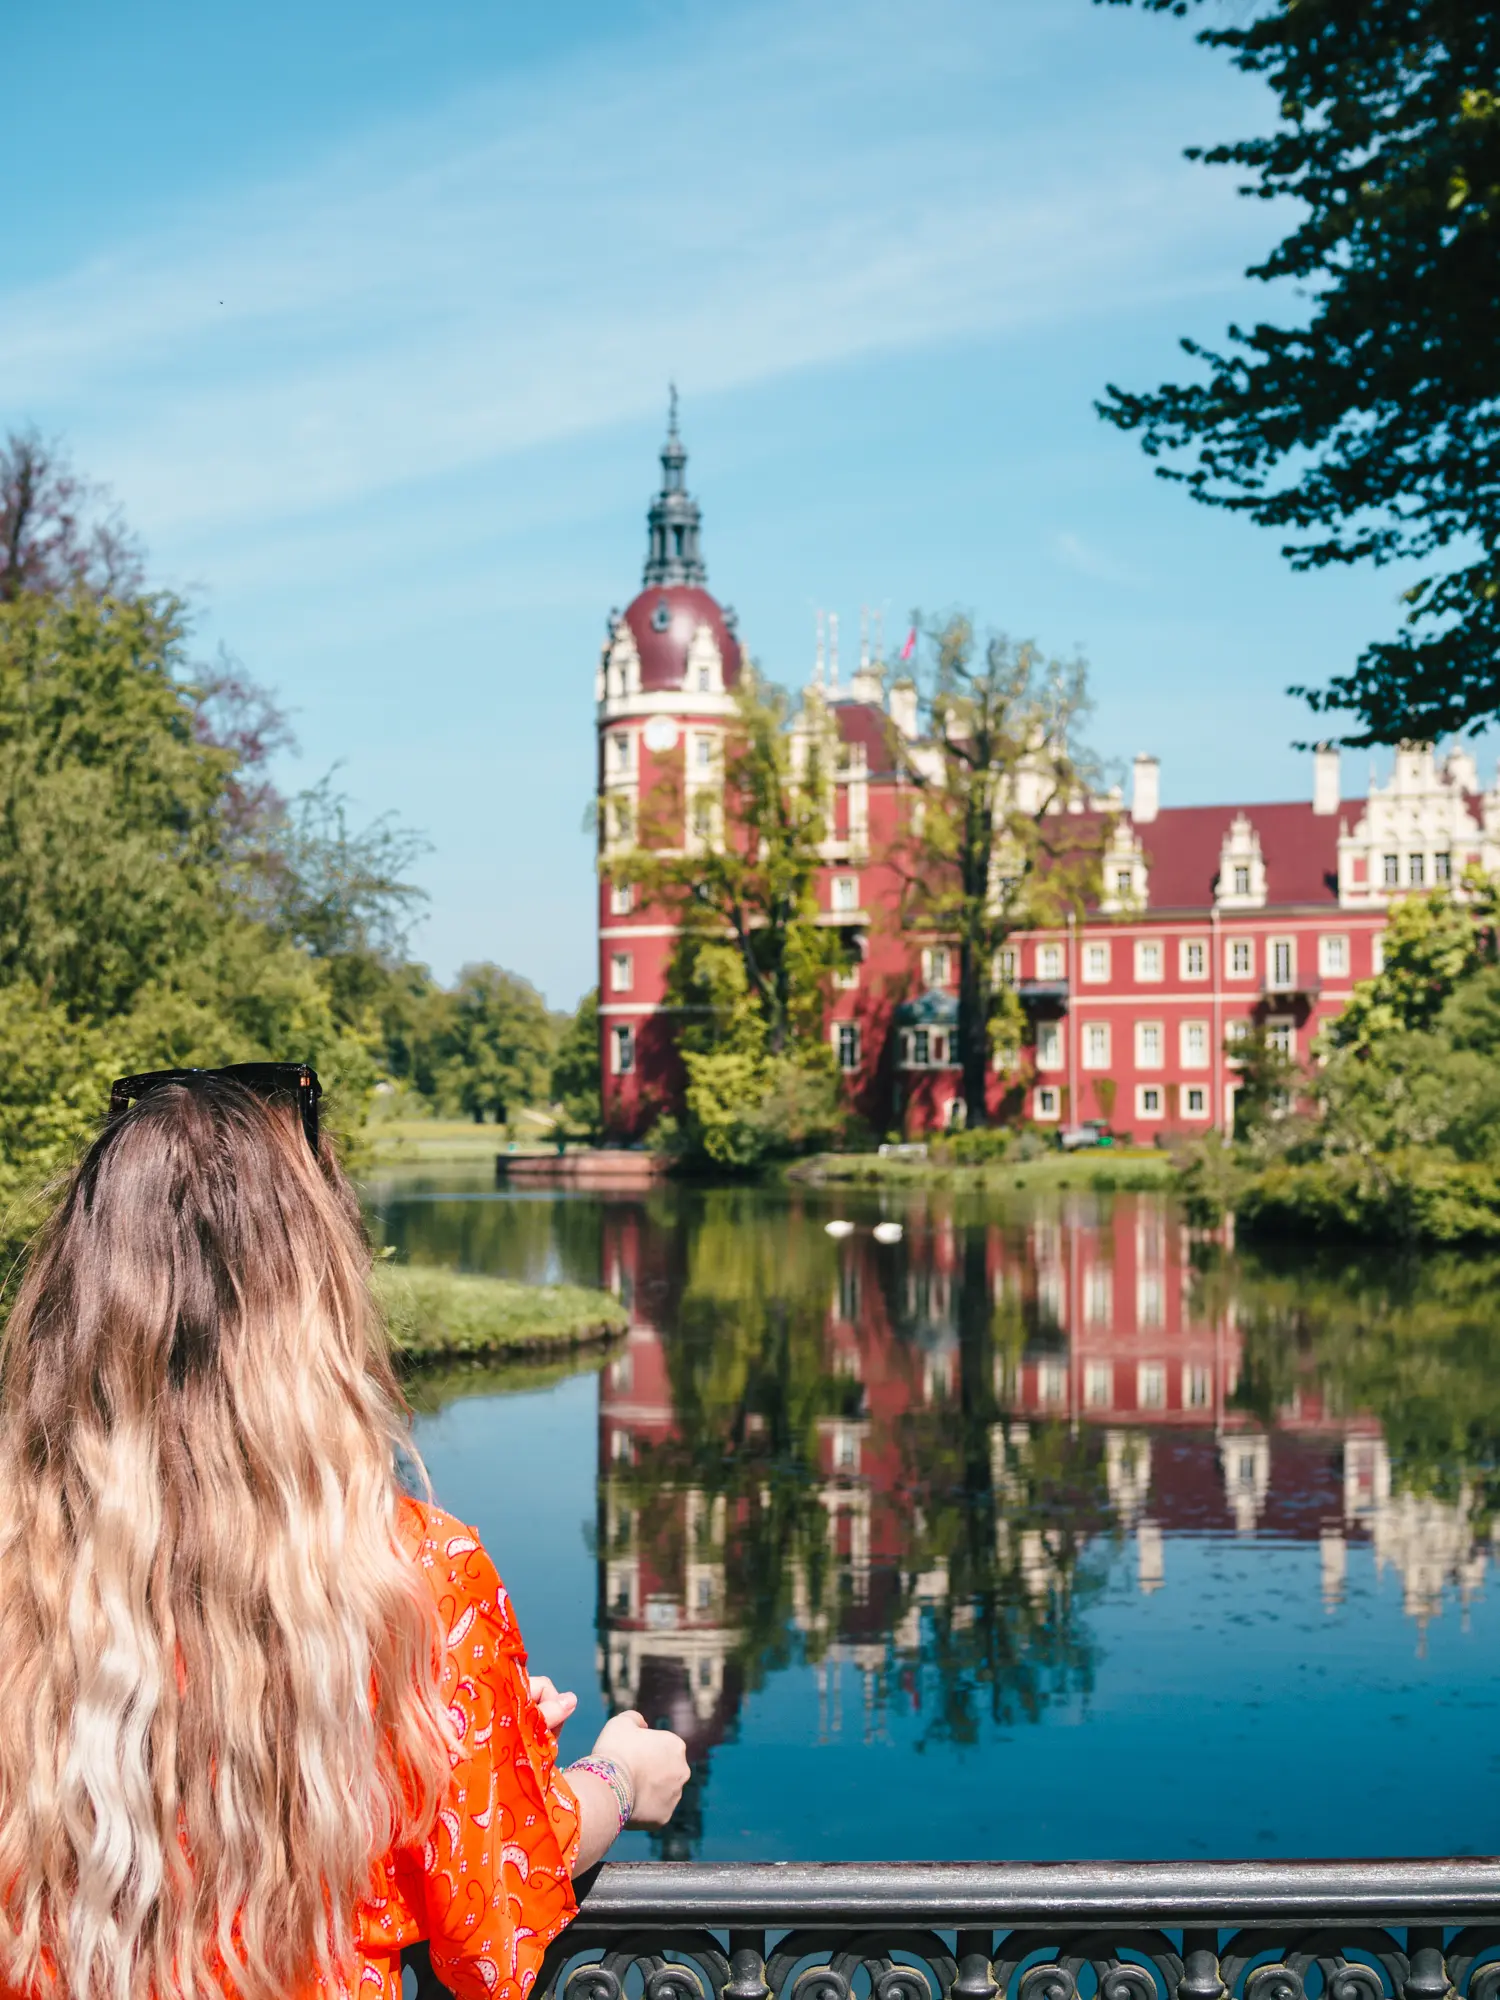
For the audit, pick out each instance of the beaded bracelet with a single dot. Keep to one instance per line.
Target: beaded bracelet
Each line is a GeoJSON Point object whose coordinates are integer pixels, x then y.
{"type": "Point", "coordinates": [607, 1769]}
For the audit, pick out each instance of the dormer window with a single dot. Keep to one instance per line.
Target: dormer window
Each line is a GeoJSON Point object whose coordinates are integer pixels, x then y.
{"type": "Point", "coordinates": [1241, 882]}
{"type": "Point", "coordinates": [705, 679]}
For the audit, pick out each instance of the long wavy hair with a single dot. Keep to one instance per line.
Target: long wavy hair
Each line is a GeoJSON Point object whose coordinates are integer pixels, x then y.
{"type": "Point", "coordinates": [218, 1667]}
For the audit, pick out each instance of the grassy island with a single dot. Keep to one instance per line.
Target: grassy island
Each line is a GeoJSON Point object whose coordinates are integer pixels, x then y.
{"type": "Point", "coordinates": [436, 1315]}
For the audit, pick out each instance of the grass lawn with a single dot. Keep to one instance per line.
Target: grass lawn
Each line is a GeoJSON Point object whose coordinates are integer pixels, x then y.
{"type": "Point", "coordinates": [1123, 1168]}
{"type": "Point", "coordinates": [436, 1315]}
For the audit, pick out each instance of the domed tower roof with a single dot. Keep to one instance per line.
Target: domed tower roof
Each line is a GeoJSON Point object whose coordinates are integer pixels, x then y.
{"type": "Point", "coordinates": [670, 616]}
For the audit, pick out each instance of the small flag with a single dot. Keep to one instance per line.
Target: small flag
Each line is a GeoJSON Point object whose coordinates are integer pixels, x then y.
{"type": "Point", "coordinates": [911, 644]}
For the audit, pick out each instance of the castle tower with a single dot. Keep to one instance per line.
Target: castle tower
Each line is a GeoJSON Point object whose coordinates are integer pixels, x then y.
{"type": "Point", "coordinates": [664, 692]}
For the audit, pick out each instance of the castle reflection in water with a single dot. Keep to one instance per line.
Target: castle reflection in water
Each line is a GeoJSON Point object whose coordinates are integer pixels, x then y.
{"type": "Point", "coordinates": [942, 1444]}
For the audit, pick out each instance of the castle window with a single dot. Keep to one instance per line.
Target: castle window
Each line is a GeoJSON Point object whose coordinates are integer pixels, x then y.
{"type": "Point", "coordinates": [1241, 958]}
{"type": "Point", "coordinates": [1151, 1385]}
{"type": "Point", "coordinates": [705, 678]}
{"type": "Point", "coordinates": [1147, 960]}
{"type": "Point", "coordinates": [937, 965]}
{"type": "Point", "coordinates": [622, 1047]}
{"type": "Point", "coordinates": [921, 1048]}
{"type": "Point", "coordinates": [1195, 1045]}
{"type": "Point", "coordinates": [1049, 961]}
{"type": "Point", "coordinates": [1283, 1036]}
{"type": "Point", "coordinates": [621, 899]}
{"type": "Point", "coordinates": [1242, 878]}
{"type": "Point", "coordinates": [847, 1044]}
{"type": "Point", "coordinates": [1005, 967]}
{"type": "Point", "coordinates": [1148, 1044]}
{"type": "Point", "coordinates": [845, 892]}
{"type": "Point", "coordinates": [1096, 1045]}
{"type": "Point", "coordinates": [1148, 1100]}
{"type": "Point", "coordinates": [620, 744]}
{"type": "Point", "coordinates": [1197, 1387]}
{"type": "Point", "coordinates": [1192, 959]}
{"type": "Point", "coordinates": [703, 752]}
{"type": "Point", "coordinates": [1099, 1295]}
{"type": "Point", "coordinates": [1333, 957]}
{"type": "Point", "coordinates": [1195, 1101]}
{"type": "Point", "coordinates": [621, 972]}
{"type": "Point", "coordinates": [1125, 882]}
{"type": "Point", "coordinates": [1393, 871]}
{"type": "Point", "coordinates": [1046, 1101]}
{"type": "Point", "coordinates": [1416, 870]}
{"type": "Point", "coordinates": [1096, 963]}
{"type": "Point", "coordinates": [1283, 962]}
{"type": "Point", "coordinates": [1442, 867]}
{"type": "Point", "coordinates": [1049, 1045]}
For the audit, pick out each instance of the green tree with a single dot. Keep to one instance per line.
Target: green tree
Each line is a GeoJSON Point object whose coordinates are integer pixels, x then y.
{"type": "Point", "coordinates": [1432, 944]}
{"type": "Point", "coordinates": [736, 860]}
{"type": "Point", "coordinates": [575, 1067]}
{"type": "Point", "coordinates": [1368, 428]}
{"type": "Point", "coordinates": [994, 844]}
{"type": "Point", "coordinates": [496, 1050]}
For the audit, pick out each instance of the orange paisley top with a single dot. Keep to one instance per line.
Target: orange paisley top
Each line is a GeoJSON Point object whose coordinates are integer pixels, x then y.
{"type": "Point", "coordinates": [494, 1884]}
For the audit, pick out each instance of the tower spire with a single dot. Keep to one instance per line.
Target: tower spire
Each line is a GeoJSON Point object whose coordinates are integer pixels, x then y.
{"type": "Point", "coordinates": [673, 521]}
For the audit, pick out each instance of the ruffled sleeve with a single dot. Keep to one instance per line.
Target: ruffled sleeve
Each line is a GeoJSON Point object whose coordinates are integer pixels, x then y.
{"type": "Point", "coordinates": [497, 1881]}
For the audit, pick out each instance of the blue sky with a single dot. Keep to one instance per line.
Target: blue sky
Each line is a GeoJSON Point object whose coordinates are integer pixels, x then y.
{"type": "Point", "coordinates": [366, 314]}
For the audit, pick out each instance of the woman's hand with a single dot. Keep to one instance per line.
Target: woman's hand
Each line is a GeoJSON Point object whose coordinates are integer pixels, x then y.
{"type": "Point", "coordinates": [655, 1760]}
{"type": "Point", "coordinates": [556, 1706]}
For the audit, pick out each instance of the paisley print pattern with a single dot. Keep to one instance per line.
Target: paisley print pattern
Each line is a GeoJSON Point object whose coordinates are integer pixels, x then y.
{"type": "Point", "coordinates": [493, 1885]}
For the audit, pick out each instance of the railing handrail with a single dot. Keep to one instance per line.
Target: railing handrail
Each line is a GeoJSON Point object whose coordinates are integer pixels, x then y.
{"type": "Point", "coordinates": [1012, 1894]}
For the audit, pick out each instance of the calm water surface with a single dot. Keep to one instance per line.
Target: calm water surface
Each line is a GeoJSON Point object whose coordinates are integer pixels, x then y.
{"type": "Point", "coordinates": [1041, 1532]}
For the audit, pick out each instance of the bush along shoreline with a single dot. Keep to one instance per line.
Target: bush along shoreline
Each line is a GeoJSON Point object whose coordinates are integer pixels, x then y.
{"type": "Point", "coordinates": [437, 1316]}
{"type": "Point", "coordinates": [1394, 1137]}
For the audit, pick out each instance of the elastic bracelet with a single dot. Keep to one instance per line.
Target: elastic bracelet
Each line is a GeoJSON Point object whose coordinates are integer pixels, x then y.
{"type": "Point", "coordinates": [607, 1769]}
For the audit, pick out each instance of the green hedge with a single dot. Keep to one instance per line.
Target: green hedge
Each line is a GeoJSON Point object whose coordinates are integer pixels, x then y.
{"type": "Point", "coordinates": [440, 1315]}
{"type": "Point", "coordinates": [1407, 1197]}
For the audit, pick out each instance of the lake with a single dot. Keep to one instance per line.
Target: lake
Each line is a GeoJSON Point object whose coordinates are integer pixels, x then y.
{"type": "Point", "coordinates": [1043, 1531]}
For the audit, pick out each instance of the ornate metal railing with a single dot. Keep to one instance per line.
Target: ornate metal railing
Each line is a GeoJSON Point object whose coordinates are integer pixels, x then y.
{"type": "Point", "coordinates": [1389, 1930]}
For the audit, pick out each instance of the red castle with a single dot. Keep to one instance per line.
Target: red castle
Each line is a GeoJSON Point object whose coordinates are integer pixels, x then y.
{"type": "Point", "coordinates": [1212, 920]}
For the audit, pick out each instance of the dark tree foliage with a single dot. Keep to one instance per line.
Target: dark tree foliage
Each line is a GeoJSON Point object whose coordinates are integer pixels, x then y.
{"type": "Point", "coordinates": [1370, 431]}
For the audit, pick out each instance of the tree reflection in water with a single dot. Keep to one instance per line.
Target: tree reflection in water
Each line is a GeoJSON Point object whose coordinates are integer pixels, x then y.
{"type": "Point", "coordinates": [919, 1461]}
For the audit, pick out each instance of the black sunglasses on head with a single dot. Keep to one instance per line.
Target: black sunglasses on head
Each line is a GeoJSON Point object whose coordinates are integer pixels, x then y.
{"type": "Point", "coordinates": [275, 1082]}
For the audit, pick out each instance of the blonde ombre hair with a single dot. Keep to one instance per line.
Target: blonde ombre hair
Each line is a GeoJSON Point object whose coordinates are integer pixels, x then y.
{"type": "Point", "coordinates": [218, 1668]}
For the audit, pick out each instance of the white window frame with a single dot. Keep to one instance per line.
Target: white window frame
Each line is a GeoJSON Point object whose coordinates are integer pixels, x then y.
{"type": "Point", "coordinates": [622, 972]}
{"type": "Point", "coordinates": [1189, 1092]}
{"type": "Point", "coordinates": [1197, 1386]}
{"type": "Point", "coordinates": [937, 965]}
{"type": "Point", "coordinates": [1282, 1034]}
{"type": "Point", "coordinates": [1055, 1055]}
{"type": "Point", "coordinates": [1142, 1060]}
{"type": "Point", "coordinates": [1144, 1092]}
{"type": "Point", "coordinates": [1377, 953]}
{"type": "Point", "coordinates": [619, 744]}
{"type": "Point", "coordinates": [703, 753]}
{"type": "Point", "coordinates": [1151, 1376]}
{"type": "Point", "coordinates": [1243, 876]}
{"type": "Point", "coordinates": [1005, 965]}
{"type": "Point", "coordinates": [1240, 947]}
{"type": "Point", "coordinates": [1089, 1031]}
{"type": "Point", "coordinates": [1186, 948]}
{"type": "Point", "coordinates": [1416, 871]}
{"type": "Point", "coordinates": [1046, 1103]}
{"type": "Point", "coordinates": [1149, 962]}
{"type": "Point", "coordinates": [1333, 945]}
{"type": "Point", "coordinates": [1185, 1032]}
{"type": "Point", "coordinates": [1095, 950]}
{"type": "Point", "coordinates": [1049, 961]}
{"type": "Point", "coordinates": [1274, 947]}
{"type": "Point", "coordinates": [1150, 1299]}
{"type": "Point", "coordinates": [1098, 1385]}
{"type": "Point", "coordinates": [843, 895]}
{"type": "Point", "coordinates": [621, 1048]}
{"type": "Point", "coordinates": [841, 1029]}
{"type": "Point", "coordinates": [1390, 871]}
{"type": "Point", "coordinates": [1442, 866]}
{"type": "Point", "coordinates": [1099, 1295]}
{"type": "Point", "coordinates": [621, 898]}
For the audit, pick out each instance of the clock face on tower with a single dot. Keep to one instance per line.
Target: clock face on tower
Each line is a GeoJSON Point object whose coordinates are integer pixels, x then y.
{"type": "Point", "coordinates": [660, 734]}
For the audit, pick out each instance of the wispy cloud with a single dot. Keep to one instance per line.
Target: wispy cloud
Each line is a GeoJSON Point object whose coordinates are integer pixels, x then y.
{"type": "Point", "coordinates": [1074, 553]}
{"type": "Point", "coordinates": [785, 189]}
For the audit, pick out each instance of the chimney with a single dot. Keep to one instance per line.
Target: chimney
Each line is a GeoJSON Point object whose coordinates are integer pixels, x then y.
{"type": "Point", "coordinates": [1145, 793]}
{"type": "Point", "coordinates": [1326, 779]}
{"type": "Point", "coordinates": [904, 707]}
